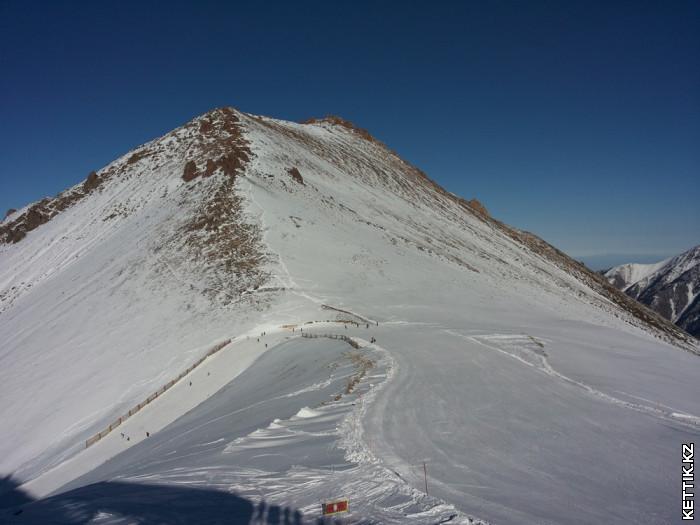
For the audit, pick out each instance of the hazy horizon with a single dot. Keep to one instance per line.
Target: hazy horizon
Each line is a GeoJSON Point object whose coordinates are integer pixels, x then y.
{"type": "Point", "coordinates": [604, 261]}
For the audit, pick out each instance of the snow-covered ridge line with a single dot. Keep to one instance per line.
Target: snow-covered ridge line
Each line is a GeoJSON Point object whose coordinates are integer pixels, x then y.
{"type": "Point", "coordinates": [337, 150]}
{"type": "Point", "coordinates": [215, 370]}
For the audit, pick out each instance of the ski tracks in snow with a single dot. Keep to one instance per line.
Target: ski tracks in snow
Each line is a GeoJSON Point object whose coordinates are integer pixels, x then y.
{"type": "Point", "coordinates": [346, 467]}
{"type": "Point", "coordinates": [530, 352]}
{"type": "Point", "coordinates": [398, 500]}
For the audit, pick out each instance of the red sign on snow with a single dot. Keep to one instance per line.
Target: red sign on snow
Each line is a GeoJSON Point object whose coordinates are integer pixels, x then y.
{"type": "Point", "coordinates": [334, 507]}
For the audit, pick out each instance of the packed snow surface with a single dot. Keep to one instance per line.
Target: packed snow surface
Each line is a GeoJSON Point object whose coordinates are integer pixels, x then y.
{"type": "Point", "coordinates": [522, 394]}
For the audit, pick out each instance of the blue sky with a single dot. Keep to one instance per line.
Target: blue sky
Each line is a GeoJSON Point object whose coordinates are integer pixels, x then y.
{"type": "Point", "coordinates": [579, 121]}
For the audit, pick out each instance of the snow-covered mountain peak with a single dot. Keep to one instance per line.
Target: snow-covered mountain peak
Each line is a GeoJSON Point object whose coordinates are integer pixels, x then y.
{"type": "Point", "coordinates": [625, 275]}
{"type": "Point", "coordinates": [234, 225]}
{"type": "Point", "coordinates": [670, 287]}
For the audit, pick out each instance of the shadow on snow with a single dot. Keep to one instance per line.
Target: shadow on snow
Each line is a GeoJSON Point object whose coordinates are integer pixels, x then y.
{"type": "Point", "coordinates": [117, 501]}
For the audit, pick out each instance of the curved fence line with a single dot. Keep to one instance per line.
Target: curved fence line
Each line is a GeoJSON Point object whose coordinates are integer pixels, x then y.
{"type": "Point", "coordinates": [345, 338]}
{"type": "Point", "coordinates": [94, 439]}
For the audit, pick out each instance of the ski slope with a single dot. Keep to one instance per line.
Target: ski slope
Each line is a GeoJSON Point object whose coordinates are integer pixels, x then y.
{"type": "Point", "coordinates": [523, 390]}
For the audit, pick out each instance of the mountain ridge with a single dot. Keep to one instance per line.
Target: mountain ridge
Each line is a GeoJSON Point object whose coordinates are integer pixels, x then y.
{"type": "Point", "coordinates": [670, 287]}
{"type": "Point", "coordinates": [229, 155]}
{"type": "Point", "coordinates": [233, 226]}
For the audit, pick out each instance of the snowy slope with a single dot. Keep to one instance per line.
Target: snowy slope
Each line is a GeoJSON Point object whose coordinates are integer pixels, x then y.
{"type": "Point", "coordinates": [104, 303]}
{"type": "Point", "coordinates": [503, 365]}
{"type": "Point", "coordinates": [670, 287]}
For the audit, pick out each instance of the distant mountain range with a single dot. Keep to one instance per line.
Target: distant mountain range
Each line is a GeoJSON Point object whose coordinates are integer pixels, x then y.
{"type": "Point", "coordinates": [670, 287]}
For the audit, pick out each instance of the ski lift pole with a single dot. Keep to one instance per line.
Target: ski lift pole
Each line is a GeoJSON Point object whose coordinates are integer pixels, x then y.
{"type": "Point", "coordinates": [425, 476]}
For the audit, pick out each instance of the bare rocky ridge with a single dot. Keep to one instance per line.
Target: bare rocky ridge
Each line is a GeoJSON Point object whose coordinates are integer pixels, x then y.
{"type": "Point", "coordinates": [218, 238]}
{"type": "Point", "coordinates": [222, 143]}
{"type": "Point", "coordinates": [43, 211]}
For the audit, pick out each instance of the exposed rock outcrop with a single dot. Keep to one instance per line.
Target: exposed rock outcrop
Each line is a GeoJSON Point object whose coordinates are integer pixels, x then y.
{"type": "Point", "coordinates": [223, 144]}
{"type": "Point", "coordinates": [190, 171]}
{"type": "Point", "coordinates": [92, 182]}
{"type": "Point", "coordinates": [43, 211]}
{"type": "Point", "coordinates": [296, 176]}
{"type": "Point", "coordinates": [479, 208]}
